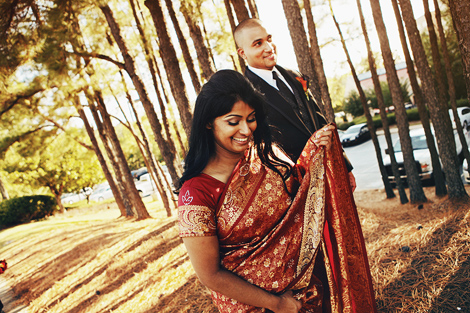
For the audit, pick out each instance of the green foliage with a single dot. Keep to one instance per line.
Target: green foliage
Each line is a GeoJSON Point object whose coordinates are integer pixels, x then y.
{"type": "Point", "coordinates": [336, 87]}
{"type": "Point", "coordinates": [412, 115]}
{"type": "Point", "coordinates": [463, 102]}
{"type": "Point", "coordinates": [54, 161]}
{"type": "Point", "coordinates": [454, 56]}
{"type": "Point", "coordinates": [372, 98]}
{"type": "Point", "coordinates": [25, 209]}
{"type": "Point", "coordinates": [353, 104]}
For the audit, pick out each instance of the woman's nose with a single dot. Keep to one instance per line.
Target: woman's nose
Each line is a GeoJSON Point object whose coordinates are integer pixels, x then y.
{"type": "Point", "coordinates": [244, 128]}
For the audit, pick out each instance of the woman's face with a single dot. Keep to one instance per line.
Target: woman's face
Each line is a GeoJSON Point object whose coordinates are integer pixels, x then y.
{"type": "Point", "coordinates": [232, 131]}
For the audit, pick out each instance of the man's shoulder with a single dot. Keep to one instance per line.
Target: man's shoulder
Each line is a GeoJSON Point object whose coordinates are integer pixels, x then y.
{"type": "Point", "coordinates": [291, 72]}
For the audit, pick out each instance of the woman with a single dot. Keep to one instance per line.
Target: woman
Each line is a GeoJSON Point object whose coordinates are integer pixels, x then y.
{"type": "Point", "coordinates": [254, 224]}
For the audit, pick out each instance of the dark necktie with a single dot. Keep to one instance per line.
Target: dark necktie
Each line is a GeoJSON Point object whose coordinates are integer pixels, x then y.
{"type": "Point", "coordinates": [294, 100]}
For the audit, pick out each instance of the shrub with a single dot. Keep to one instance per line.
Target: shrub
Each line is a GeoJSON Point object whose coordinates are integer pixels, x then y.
{"type": "Point", "coordinates": [462, 102]}
{"type": "Point", "coordinates": [25, 209]}
{"type": "Point", "coordinates": [344, 126]}
{"type": "Point", "coordinates": [413, 114]}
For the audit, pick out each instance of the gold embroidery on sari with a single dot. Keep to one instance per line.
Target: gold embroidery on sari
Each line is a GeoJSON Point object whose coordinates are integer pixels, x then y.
{"type": "Point", "coordinates": [314, 216]}
{"type": "Point", "coordinates": [196, 220]}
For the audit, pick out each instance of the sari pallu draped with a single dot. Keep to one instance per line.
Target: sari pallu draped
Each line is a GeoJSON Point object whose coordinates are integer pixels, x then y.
{"type": "Point", "coordinates": [272, 239]}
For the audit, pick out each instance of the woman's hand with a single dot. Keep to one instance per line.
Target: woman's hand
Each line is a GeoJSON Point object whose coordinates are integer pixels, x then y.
{"type": "Point", "coordinates": [288, 304]}
{"type": "Point", "coordinates": [323, 136]}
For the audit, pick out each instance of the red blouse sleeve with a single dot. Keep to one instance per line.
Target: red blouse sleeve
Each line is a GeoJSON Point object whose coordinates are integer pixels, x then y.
{"type": "Point", "coordinates": [197, 204]}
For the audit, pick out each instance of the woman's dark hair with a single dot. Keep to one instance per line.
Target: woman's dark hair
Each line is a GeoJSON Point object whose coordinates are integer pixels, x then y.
{"type": "Point", "coordinates": [217, 97]}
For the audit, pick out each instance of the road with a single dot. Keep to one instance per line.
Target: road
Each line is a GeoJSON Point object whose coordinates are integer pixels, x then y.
{"type": "Point", "coordinates": [364, 160]}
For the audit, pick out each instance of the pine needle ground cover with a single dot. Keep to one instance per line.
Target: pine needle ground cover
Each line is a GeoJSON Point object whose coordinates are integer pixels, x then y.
{"type": "Point", "coordinates": [89, 260]}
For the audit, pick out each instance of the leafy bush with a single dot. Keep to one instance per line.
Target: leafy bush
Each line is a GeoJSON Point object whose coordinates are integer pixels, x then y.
{"type": "Point", "coordinates": [462, 103]}
{"type": "Point", "coordinates": [346, 125]}
{"type": "Point", "coordinates": [25, 209]}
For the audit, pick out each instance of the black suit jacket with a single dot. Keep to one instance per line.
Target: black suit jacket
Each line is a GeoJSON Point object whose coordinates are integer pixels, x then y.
{"type": "Point", "coordinates": [287, 127]}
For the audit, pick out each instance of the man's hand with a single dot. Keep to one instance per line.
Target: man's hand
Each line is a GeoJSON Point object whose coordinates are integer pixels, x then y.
{"type": "Point", "coordinates": [323, 136]}
{"type": "Point", "coordinates": [352, 181]}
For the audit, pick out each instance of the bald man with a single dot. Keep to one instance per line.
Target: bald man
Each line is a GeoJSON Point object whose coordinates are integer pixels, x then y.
{"type": "Point", "coordinates": [293, 113]}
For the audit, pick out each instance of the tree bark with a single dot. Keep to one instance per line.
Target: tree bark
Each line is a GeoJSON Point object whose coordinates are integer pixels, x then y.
{"type": "Point", "coordinates": [240, 10]}
{"type": "Point", "coordinates": [318, 63]}
{"type": "Point", "coordinates": [166, 147]}
{"type": "Point", "coordinates": [301, 48]}
{"type": "Point", "coordinates": [125, 171]}
{"type": "Point", "coordinates": [439, 114]}
{"type": "Point", "coordinates": [101, 159]}
{"type": "Point", "coordinates": [120, 185]}
{"type": "Point", "coordinates": [370, 124]}
{"type": "Point", "coordinates": [147, 154]}
{"type": "Point", "coordinates": [253, 8]}
{"type": "Point", "coordinates": [3, 190]}
{"type": "Point", "coordinates": [184, 47]}
{"type": "Point", "coordinates": [381, 105]}
{"type": "Point", "coordinates": [203, 56]}
{"type": "Point", "coordinates": [450, 78]}
{"type": "Point", "coordinates": [414, 182]}
{"type": "Point", "coordinates": [152, 64]}
{"type": "Point", "coordinates": [171, 64]}
{"type": "Point", "coordinates": [460, 11]}
{"type": "Point", "coordinates": [439, 180]}
{"type": "Point", "coordinates": [233, 25]}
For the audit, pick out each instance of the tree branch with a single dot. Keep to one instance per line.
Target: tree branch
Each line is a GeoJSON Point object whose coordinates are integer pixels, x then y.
{"type": "Point", "coordinates": [99, 56]}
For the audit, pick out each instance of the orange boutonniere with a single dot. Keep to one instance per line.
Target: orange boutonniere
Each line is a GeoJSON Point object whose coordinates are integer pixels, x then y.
{"type": "Point", "coordinates": [3, 266]}
{"type": "Point", "coordinates": [305, 83]}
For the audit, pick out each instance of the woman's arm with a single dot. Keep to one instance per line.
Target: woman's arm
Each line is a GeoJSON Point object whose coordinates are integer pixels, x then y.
{"type": "Point", "coordinates": [204, 255]}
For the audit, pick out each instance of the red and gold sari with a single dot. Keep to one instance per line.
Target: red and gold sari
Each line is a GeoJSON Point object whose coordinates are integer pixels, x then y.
{"type": "Point", "coordinates": [277, 241]}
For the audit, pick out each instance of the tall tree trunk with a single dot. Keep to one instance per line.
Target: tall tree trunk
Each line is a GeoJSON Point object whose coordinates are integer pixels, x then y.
{"type": "Point", "coordinates": [166, 147]}
{"type": "Point", "coordinates": [171, 64]}
{"type": "Point", "coordinates": [370, 123]}
{"type": "Point", "coordinates": [101, 159]}
{"type": "Point", "coordinates": [184, 47]}
{"type": "Point", "coordinates": [414, 182]}
{"type": "Point", "coordinates": [253, 8]}
{"type": "Point", "coordinates": [318, 63]}
{"type": "Point", "coordinates": [152, 64]}
{"type": "Point", "coordinates": [381, 105]}
{"type": "Point", "coordinates": [240, 10]}
{"type": "Point", "coordinates": [450, 78]}
{"type": "Point", "coordinates": [120, 186]}
{"type": "Point", "coordinates": [460, 11]}
{"type": "Point", "coordinates": [440, 185]}
{"type": "Point", "coordinates": [3, 190]}
{"type": "Point", "coordinates": [233, 25]}
{"type": "Point", "coordinates": [301, 48]}
{"type": "Point", "coordinates": [147, 152]}
{"type": "Point", "coordinates": [203, 55]}
{"type": "Point", "coordinates": [125, 171]}
{"type": "Point", "coordinates": [439, 114]}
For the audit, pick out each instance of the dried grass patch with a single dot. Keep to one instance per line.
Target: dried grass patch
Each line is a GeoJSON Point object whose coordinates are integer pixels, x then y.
{"type": "Point", "coordinates": [89, 260]}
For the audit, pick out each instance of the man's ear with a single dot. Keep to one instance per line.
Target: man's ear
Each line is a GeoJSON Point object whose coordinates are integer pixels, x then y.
{"type": "Point", "coordinates": [241, 53]}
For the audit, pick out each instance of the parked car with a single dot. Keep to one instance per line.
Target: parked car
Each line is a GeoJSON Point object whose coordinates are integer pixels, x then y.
{"type": "Point", "coordinates": [465, 173]}
{"type": "Point", "coordinates": [137, 173]}
{"type": "Point", "coordinates": [355, 134]}
{"type": "Point", "coordinates": [101, 192]}
{"type": "Point", "coordinates": [464, 115]}
{"type": "Point", "coordinates": [70, 197]}
{"type": "Point", "coordinates": [145, 185]}
{"type": "Point", "coordinates": [421, 155]}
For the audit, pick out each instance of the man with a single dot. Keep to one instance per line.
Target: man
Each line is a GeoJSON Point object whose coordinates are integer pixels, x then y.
{"type": "Point", "coordinates": [293, 113]}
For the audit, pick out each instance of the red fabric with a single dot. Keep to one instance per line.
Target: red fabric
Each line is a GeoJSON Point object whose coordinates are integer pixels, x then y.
{"type": "Point", "coordinates": [272, 239]}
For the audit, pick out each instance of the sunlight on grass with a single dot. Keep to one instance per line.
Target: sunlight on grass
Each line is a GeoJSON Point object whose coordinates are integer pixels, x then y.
{"type": "Point", "coordinates": [90, 260]}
